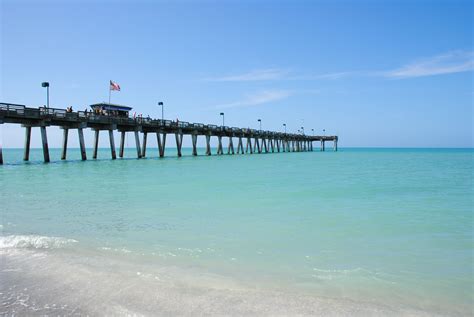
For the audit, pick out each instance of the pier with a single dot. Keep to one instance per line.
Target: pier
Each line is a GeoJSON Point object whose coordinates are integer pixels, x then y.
{"type": "Point", "coordinates": [256, 141]}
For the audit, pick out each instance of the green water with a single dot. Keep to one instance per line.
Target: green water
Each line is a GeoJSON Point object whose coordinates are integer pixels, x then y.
{"type": "Point", "coordinates": [389, 226]}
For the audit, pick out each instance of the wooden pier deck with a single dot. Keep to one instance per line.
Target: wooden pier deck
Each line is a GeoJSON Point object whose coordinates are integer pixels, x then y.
{"type": "Point", "coordinates": [256, 141]}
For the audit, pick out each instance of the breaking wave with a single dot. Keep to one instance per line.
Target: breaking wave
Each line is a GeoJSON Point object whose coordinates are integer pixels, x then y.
{"type": "Point", "coordinates": [33, 242]}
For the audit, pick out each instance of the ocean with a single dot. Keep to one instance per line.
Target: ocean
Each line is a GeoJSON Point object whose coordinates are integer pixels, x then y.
{"type": "Point", "coordinates": [358, 232]}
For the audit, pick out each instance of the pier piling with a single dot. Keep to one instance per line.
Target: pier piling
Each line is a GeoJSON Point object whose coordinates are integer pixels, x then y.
{"type": "Point", "coordinates": [137, 144]}
{"type": "Point", "coordinates": [112, 144]}
{"type": "Point", "coordinates": [96, 144]}
{"type": "Point", "coordinates": [219, 145]}
{"type": "Point", "coordinates": [64, 149]}
{"type": "Point", "coordinates": [194, 140]}
{"type": "Point", "coordinates": [240, 146]}
{"type": "Point", "coordinates": [230, 147]}
{"type": "Point", "coordinates": [122, 143]}
{"type": "Point", "coordinates": [26, 153]}
{"type": "Point", "coordinates": [82, 144]}
{"type": "Point", "coordinates": [44, 140]}
{"type": "Point", "coordinates": [179, 142]}
{"type": "Point", "coordinates": [208, 144]}
{"type": "Point", "coordinates": [161, 143]}
{"type": "Point", "coordinates": [145, 134]}
{"type": "Point", "coordinates": [248, 146]}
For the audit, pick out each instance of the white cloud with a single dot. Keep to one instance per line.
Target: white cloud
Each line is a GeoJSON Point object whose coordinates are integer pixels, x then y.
{"type": "Point", "coordinates": [259, 98]}
{"type": "Point", "coordinates": [266, 96]}
{"type": "Point", "coordinates": [255, 75]}
{"type": "Point", "coordinates": [451, 62]}
{"type": "Point", "coordinates": [337, 75]}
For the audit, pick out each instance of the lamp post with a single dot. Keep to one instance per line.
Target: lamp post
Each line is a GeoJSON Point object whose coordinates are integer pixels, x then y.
{"type": "Point", "coordinates": [260, 122]}
{"type": "Point", "coordinates": [46, 85]}
{"type": "Point", "coordinates": [162, 110]}
{"type": "Point", "coordinates": [324, 132]}
{"type": "Point", "coordinates": [312, 130]}
{"type": "Point", "coordinates": [284, 124]}
{"type": "Point", "coordinates": [222, 114]}
{"type": "Point", "coordinates": [302, 130]}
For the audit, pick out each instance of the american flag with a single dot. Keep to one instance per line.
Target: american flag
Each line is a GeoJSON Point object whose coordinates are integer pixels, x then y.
{"type": "Point", "coordinates": [114, 86]}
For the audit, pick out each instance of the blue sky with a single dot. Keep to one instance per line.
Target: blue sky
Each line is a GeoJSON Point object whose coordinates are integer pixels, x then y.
{"type": "Point", "coordinates": [377, 73]}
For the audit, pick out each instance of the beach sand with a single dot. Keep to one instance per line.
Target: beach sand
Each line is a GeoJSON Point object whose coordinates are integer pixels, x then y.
{"type": "Point", "coordinates": [62, 282]}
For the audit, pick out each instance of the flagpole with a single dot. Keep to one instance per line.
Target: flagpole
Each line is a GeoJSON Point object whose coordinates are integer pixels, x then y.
{"type": "Point", "coordinates": [110, 91]}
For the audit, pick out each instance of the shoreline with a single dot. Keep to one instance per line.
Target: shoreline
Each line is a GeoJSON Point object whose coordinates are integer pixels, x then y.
{"type": "Point", "coordinates": [60, 280]}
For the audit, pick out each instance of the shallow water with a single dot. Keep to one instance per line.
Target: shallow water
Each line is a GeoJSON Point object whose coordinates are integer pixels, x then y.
{"type": "Point", "coordinates": [357, 232]}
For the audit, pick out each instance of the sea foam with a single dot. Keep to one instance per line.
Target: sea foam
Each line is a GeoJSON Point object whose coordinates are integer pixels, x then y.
{"type": "Point", "coordinates": [33, 242]}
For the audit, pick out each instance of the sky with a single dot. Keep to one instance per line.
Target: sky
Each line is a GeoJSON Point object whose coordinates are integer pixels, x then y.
{"type": "Point", "coordinates": [375, 73]}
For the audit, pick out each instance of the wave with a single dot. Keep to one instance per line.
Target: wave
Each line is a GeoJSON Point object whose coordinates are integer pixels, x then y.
{"type": "Point", "coordinates": [34, 242]}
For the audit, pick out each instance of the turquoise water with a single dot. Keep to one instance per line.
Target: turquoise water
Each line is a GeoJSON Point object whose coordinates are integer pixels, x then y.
{"type": "Point", "coordinates": [387, 227]}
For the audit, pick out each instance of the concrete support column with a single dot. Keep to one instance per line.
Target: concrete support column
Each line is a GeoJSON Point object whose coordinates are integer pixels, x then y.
{"type": "Point", "coordinates": [64, 148]}
{"type": "Point", "coordinates": [112, 144]}
{"type": "Point", "coordinates": [248, 147]}
{"type": "Point", "coordinates": [194, 139]}
{"type": "Point", "coordinates": [208, 145]}
{"type": "Point", "coordinates": [293, 143]}
{"type": "Point", "coordinates": [122, 143]}
{"type": "Point", "coordinates": [161, 143]}
{"type": "Point", "coordinates": [145, 134]}
{"type": "Point", "coordinates": [278, 145]}
{"type": "Point", "coordinates": [219, 145]}
{"type": "Point", "coordinates": [179, 142]}
{"type": "Point", "coordinates": [259, 148]}
{"type": "Point", "coordinates": [82, 145]}
{"type": "Point", "coordinates": [322, 145]}
{"type": "Point", "coordinates": [240, 146]}
{"type": "Point", "coordinates": [137, 144]}
{"type": "Point", "coordinates": [230, 148]}
{"type": "Point", "coordinates": [1, 154]}
{"type": "Point", "coordinates": [335, 145]}
{"type": "Point", "coordinates": [26, 153]}
{"type": "Point", "coordinates": [272, 146]}
{"type": "Point", "coordinates": [44, 140]}
{"type": "Point", "coordinates": [96, 144]}
{"type": "Point", "coordinates": [264, 143]}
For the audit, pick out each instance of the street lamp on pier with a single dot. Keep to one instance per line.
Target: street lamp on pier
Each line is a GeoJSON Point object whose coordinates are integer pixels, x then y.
{"type": "Point", "coordinates": [222, 114]}
{"type": "Point", "coordinates": [46, 85]}
{"type": "Point", "coordinates": [284, 124]}
{"type": "Point", "coordinates": [162, 110]}
{"type": "Point", "coordinates": [260, 121]}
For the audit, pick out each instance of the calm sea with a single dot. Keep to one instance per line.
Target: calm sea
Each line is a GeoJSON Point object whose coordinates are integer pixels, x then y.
{"type": "Point", "coordinates": [356, 232]}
